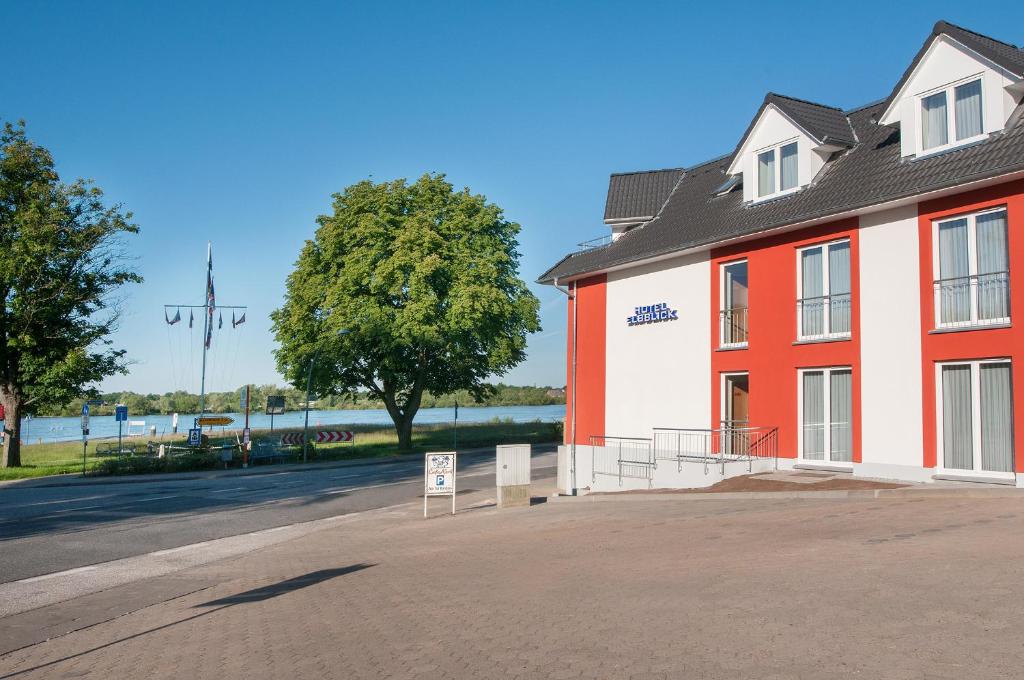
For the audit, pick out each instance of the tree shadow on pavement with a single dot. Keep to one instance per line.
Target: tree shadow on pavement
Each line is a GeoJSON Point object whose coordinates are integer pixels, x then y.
{"type": "Point", "coordinates": [255, 595]}
{"type": "Point", "coordinates": [287, 586]}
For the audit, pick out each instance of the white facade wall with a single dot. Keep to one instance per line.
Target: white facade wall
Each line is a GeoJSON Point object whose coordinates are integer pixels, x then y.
{"type": "Point", "coordinates": [774, 128]}
{"type": "Point", "coordinates": [890, 328]}
{"type": "Point", "coordinates": [947, 61]}
{"type": "Point", "coordinates": [659, 374]}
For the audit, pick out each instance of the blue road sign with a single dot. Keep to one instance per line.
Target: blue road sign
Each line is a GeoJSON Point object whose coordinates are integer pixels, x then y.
{"type": "Point", "coordinates": [85, 410]}
{"type": "Point", "coordinates": [120, 413]}
{"type": "Point", "coordinates": [195, 436]}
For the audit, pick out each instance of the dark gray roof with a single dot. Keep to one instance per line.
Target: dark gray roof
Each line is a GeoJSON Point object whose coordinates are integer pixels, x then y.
{"type": "Point", "coordinates": [869, 173]}
{"type": "Point", "coordinates": [1004, 54]}
{"type": "Point", "coordinates": [825, 123]}
{"type": "Point", "coordinates": [639, 194]}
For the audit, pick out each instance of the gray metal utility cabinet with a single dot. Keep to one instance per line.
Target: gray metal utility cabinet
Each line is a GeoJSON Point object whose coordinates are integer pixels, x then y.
{"type": "Point", "coordinates": [513, 475]}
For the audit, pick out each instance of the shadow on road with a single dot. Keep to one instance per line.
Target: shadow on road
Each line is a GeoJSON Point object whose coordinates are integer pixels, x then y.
{"type": "Point", "coordinates": [256, 595]}
{"type": "Point", "coordinates": [283, 587]}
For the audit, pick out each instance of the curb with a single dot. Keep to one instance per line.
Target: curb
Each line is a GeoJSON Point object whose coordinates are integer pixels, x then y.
{"type": "Point", "coordinates": [76, 480]}
{"type": "Point", "coordinates": [615, 497]}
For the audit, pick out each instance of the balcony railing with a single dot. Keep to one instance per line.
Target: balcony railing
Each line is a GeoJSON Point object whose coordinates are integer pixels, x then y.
{"type": "Point", "coordinates": [594, 243]}
{"type": "Point", "coordinates": [823, 317]}
{"type": "Point", "coordinates": [978, 300]}
{"type": "Point", "coordinates": [733, 327]}
{"type": "Point", "coordinates": [840, 442]}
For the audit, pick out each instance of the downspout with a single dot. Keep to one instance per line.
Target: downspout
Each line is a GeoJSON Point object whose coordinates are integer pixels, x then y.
{"type": "Point", "coordinates": [572, 403]}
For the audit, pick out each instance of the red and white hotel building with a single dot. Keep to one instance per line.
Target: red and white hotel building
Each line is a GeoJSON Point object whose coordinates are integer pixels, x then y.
{"type": "Point", "coordinates": [854, 279]}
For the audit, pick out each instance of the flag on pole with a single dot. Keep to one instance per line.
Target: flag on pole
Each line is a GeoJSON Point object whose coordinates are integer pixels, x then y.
{"type": "Point", "coordinates": [176, 319]}
{"type": "Point", "coordinates": [241, 320]}
{"type": "Point", "coordinates": [191, 318]}
{"type": "Point", "coordinates": [211, 300]}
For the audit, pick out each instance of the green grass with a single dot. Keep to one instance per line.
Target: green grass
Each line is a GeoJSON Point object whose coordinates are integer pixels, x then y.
{"type": "Point", "coordinates": [372, 441]}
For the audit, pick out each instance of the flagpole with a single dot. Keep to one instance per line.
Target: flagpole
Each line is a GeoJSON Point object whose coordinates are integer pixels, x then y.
{"type": "Point", "coordinates": [206, 323]}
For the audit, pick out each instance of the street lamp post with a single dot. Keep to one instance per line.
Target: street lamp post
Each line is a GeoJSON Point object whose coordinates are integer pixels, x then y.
{"type": "Point", "coordinates": [309, 384]}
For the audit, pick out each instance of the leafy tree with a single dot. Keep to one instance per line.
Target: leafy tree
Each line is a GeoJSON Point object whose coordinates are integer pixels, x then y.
{"type": "Point", "coordinates": [59, 267]}
{"type": "Point", "coordinates": [424, 279]}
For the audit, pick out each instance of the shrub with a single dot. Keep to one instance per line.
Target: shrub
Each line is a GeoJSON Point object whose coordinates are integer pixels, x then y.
{"type": "Point", "coordinates": [140, 465]}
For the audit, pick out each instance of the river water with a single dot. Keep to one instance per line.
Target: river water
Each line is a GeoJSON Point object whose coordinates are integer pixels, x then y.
{"type": "Point", "coordinates": [43, 430]}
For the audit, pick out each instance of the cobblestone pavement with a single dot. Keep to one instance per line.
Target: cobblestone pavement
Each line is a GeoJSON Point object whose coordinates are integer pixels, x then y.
{"type": "Point", "coordinates": [708, 588]}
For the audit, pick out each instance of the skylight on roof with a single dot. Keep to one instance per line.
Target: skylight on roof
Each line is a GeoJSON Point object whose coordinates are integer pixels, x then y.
{"type": "Point", "coordinates": [731, 183]}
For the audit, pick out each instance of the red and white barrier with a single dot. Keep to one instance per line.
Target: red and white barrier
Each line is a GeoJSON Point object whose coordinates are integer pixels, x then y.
{"type": "Point", "coordinates": [325, 437]}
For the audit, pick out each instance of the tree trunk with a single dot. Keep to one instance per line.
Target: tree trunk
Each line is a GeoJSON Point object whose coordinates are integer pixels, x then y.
{"type": "Point", "coordinates": [404, 428]}
{"type": "Point", "coordinates": [12, 432]}
{"type": "Point", "coordinates": [402, 415]}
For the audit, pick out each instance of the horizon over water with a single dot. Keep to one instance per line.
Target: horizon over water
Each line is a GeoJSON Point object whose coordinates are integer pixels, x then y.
{"type": "Point", "coordinates": [51, 429]}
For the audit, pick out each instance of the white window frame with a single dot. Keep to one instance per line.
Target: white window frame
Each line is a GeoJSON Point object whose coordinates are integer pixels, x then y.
{"type": "Point", "coordinates": [826, 372]}
{"type": "Point", "coordinates": [721, 304]}
{"type": "Point", "coordinates": [826, 292]}
{"type": "Point", "coordinates": [940, 463]}
{"type": "Point", "coordinates": [725, 395]}
{"type": "Point", "coordinates": [972, 271]}
{"type": "Point", "coordinates": [777, 148]}
{"type": "Point", "coordinates": [951, 141]}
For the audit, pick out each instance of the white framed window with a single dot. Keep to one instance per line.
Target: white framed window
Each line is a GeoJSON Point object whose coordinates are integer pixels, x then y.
{"type": "Point", "coordinates": [825, 408]}
{"type": "Point", "coordinates": [823, 288]}
{"type": "Point", "coordinates": [971, 266]}
{"type": "Point", "coordinates": [974, 417]}
{"type": "Point", "coordinates": [732, 315]}
{"type": "Point", "coordinates": [950, 116]}
{"type": "Point", "coordinates": [777, 170]}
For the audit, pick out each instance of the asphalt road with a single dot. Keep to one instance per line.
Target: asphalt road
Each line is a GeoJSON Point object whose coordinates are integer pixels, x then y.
{"type": "Point", "coordinates": [50, 529]}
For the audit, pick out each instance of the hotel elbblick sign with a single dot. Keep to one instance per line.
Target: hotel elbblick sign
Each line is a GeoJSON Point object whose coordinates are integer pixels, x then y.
{"type": "Point", "coordinates": [651, 314]}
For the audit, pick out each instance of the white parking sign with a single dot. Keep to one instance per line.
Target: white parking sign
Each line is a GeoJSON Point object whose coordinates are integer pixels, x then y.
{"type": "Point", "coordinates": [439, 477]}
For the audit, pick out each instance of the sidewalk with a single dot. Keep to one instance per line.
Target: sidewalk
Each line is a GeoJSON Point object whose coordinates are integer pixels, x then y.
{"type": "Point", "coordinates": [778, 588]}
{"type": "Point", "coordinates": [262, 469]}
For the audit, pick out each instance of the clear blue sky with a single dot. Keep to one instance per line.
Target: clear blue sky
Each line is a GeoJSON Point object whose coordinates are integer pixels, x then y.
{"type": "Point", "coordinates": [236, 121]}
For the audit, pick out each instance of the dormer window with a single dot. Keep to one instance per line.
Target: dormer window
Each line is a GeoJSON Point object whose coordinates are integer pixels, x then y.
{"type": "Point", "coordinates": [777, 170]}
{"type": "Point", "coordinates": [944, 126]}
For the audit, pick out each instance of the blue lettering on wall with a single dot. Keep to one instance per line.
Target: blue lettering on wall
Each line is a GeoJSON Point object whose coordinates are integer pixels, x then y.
{"type": "Point", "coordinates": [651, 314]}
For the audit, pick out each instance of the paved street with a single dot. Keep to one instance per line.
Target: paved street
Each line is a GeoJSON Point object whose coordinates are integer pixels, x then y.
{"type": "Point", "coordinates": [51, 529]}
{"type": "Point", "coordinates": [697, 587]}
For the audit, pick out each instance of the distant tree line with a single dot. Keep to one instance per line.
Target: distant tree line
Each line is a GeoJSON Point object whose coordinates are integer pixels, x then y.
{"type": "Point", "coordinates": [228, 402]}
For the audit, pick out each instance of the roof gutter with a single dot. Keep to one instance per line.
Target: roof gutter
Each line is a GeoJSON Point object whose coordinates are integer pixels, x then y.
{"type": "Point", "coordinates": [627, 220]}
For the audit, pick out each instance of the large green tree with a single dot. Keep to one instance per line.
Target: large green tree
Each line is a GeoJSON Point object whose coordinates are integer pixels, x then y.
{"type": "Point", "coordinates": [60, 265]}
{"type": "Point", "coordinates": [424, 280]}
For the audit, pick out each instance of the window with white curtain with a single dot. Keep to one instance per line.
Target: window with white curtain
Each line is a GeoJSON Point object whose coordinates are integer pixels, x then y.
{"type": "Point", "coordinates": [826, 415]}
{"type": "Point", "coordinates": [766, 173]}
{"type": "Point", "coordinates": [823, 282]}
{"type": "Point", "coordinates": [971, 262]}
{"type": "Point", "coordinates": [778, 170]}
{"type": "Point", "coordinates": [975, 418]}
{"type": "Point", "coordinates": [944, 125]}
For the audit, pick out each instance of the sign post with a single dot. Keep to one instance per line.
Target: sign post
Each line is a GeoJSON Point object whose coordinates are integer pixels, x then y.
{"type": "Point", "coordinates": [120, 415]}
{"type": "Point", "coordinates": [439, 477]}
{"type": "Point", "coordinates": [275, 407]}
{"type": "Point", "coordinates": [245, 432]}
{"type": "Point", "coordinates": [85, 434]}
{"type": "Point", "coordinates": [455, 436]}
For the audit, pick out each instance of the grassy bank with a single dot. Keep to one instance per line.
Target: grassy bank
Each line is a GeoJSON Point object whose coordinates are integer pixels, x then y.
{"type": "Point", "coordinates": [371, 441]}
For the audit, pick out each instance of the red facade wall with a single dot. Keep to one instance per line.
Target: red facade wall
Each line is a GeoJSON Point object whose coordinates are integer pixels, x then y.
{"type": "Point", "coordinates": [989, 343]}
{"type": "Point", "coordinates": [772, 356]}
{"type": "Point", "coordinates": [591, 296]}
